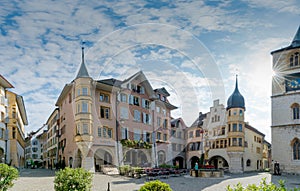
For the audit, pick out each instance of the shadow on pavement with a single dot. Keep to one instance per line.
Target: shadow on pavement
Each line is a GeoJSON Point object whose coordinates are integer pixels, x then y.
{"type": "Point", "coordinates": [36, 173]}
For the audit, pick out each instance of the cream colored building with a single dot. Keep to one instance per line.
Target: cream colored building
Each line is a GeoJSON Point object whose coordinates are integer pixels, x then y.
{"type": "Point", "coordinates": [223, 139]}
{"type": "Point", "coordinates": [17, 119]}
{"type": "Point", "coordinates": [285, 102]}
{"type": "Point", "coordinates": [4, 151]}
{"type": "Point", "coordinates": [95, 115]}
{"type": "Point", "coordinates": [52, 139]}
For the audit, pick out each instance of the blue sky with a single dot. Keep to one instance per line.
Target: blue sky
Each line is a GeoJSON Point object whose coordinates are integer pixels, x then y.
{"type": "Point", "coordinates": [193, 48]}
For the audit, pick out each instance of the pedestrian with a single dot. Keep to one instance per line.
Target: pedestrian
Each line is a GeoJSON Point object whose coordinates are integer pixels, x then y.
{"type": "Point", "coordinates": [196, 169]}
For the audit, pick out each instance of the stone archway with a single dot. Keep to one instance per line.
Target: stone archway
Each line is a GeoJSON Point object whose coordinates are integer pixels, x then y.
{"type": "Point", "coordinates": [2, 158]}
{"type": "Point", "coordinates": [218, 162]}
{"type": "Point", "coordinates": [178, 162]}
{"type": "Point", "coordinates": [137, 157]}
{"type": "Point", "coordinates": [78, 159]}
{"type": "Point", "coordinates": [102, 157]}
{"type": "Point", "coordinates": [193, 161]}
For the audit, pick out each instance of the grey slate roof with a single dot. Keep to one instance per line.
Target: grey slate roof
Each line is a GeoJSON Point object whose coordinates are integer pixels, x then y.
{"type": "Point", "coordinates": [295, 43]}
{"type": "Point", "coordinates": [236, 100]}
{"type": "Point", "coordinates": [82, 73]}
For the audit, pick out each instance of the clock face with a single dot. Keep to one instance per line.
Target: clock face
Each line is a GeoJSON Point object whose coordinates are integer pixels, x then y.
{"type": "Point", "coordinates": [293, 84]}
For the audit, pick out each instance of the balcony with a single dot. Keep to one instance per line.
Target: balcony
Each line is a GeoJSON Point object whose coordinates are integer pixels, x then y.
{"type": "Point", "coordinates": [83, 138]}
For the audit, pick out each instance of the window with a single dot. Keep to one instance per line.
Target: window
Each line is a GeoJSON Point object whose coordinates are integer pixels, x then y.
{"type": "Point", "coordinates": [159, 135]}
{"type": "Point", "coordinates": [158, 121]}
{"type": "Point", "coordinates": [137, 115]}
{"type": "Point", "coordinates": [105, 112]}
{"type": "Point", "coordinates": [130, 100]}
{"type": "Point", "coordinates": [136, 101]}
{"type": "Point", "coordinates": [173, 133]}
{"type": "Point", "coordinates": [109, 133]}
{"type": "Point", "coordinates": [85, 128]}
{"type": "Point", "coordinates": [148, 137]}
{"type": "Point", "coordinates": [124, 132]}
{"type": "Point", "coordinates": [173, 146]}
{"type": "Point", "coordinates": [140, 89]}
{"type": "Point", "coordinates": [123, 98]}
{"type": "Point", "coordinates": [165, 137]}
{"type": "Point", "coordinates": [147, 118]}
{"type": "Point", "coordinates": [240, 127]}
{"type": "Point", "coordinates": [84, 107]}
{"type": "Point", "coordinates": [296, 150]}
{"type": "Point", "coordinates": [248, 163]}
{"type": "Point", "coordinates": [124, 113]}
{"type": "Point", "coordinates": [295, 109]}
{"type": "Point", "coordinates": [14, 133]}
{"type": "Point", "coordinates": [223, 131]}
{"type": "Point", "coordinates": [145, 103]}
{"type": "Point", "coordinates": [104, 132]}
{"type": "Point", "coordinates": [84, 91]}
{"type": "Point", "coordinates": [99, 132]}
{"type": "Point", "coordinates": [234, 127]}
{"type": "Point", "coordinates": [34, 149]}
{"type": "Point", "coordinates": [70, 97]}
{"type": "Point", "coordinates": [234, 141]}
{"type": "Point", "coordinates": [229, 113]}
{"type": "Point", "coordinates": [294, 59]}
{"type": "Point", "coordinates": [165, 124]}
{"type": "Point", "coordinates": [158, 109]}
{"type": "Point", "coordinates": [241, 112]}
{"type": "Point", "coordinates": [258, 150]}
{"type": "Point", "coordinates": [198, 133]}
{"type": "Point", "coordinates": [191, 134]}
{"type": "Point", "coordinates": [229, 126]}
{"type": "Point", "coordinates": [104, 98]}
{"type": "Point", "coordinates": [240, 142]}
{"type": "Point", "coordinates": [179, 134]}
{"type": "Point", "coordinates": [137, 134]}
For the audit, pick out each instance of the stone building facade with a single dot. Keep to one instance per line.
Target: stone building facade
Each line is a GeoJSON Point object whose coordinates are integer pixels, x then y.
{"type": "Point", "coordinates": [285, 102]}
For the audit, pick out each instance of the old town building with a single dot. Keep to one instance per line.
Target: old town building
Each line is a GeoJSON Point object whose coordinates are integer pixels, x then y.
{"type": "Point", "coordinates": [223, 139]}
{"type": "Point", "coordinates": [285, 102]}
{"type": "Point", "coordinates": [100, 120]}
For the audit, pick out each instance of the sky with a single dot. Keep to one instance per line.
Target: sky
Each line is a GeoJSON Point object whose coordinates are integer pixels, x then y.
{"type": "Point", "coordinates": [193, 48]}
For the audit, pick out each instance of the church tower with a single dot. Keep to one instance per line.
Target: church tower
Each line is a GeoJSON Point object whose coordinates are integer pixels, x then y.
{"type": "Point", "coordinates": [285, 102]}
{"type": "Point", "coordinates": [236, 130]}
{"type": "Point", "coordinates": [83, 115]}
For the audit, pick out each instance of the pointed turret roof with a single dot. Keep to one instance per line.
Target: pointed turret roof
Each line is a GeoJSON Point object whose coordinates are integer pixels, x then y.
{"type": "Point", "coordinates": [296, 40]}
{"type": "Point", "coordinates": [295, 43]}
{"type": "Point", "coordinates": [236, 100]}
{"type": "Point", "coordinates": [82, 73]}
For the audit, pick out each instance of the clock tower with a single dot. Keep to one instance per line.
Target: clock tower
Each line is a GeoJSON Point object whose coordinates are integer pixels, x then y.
{"type": "Point", "coordinates": [285, 101]}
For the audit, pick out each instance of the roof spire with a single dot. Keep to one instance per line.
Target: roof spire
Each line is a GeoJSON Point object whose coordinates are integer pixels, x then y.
{"type": "Point", "coordinates": [296, 40]}
{"type": "Point", "coordinates": [236, 100]}
{"type": "Point", "coordinates": [82, 73]}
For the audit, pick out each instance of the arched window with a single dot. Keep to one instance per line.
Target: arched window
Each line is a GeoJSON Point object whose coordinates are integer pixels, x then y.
{"type": "Point", "coordinates": [248, 163]}
{"type": "Point", "coordinates": [296, 150]}
{"type": "Point", "coordinates": [292, 61]}
{"type": "Point", "coordinates": [295, 109]}
{"type": "Point", "coordinates": [296, 59]}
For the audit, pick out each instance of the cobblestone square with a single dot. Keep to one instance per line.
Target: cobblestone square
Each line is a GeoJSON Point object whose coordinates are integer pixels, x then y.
{"type": "Point", "coordinates": [42, 180]}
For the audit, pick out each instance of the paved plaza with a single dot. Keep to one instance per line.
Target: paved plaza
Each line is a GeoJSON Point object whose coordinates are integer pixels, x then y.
{"type": "Point", "coordinates": [42, 180]}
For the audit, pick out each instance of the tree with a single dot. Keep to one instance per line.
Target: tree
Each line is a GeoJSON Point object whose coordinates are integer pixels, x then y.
{"type": "Point", "coordinates": [70, 179]}
{"type": "Point", "coordinates": [7, 176]}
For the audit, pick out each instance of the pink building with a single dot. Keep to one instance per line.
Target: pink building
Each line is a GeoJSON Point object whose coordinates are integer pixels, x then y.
{"type": "Point", "coordinates": [98, 117]}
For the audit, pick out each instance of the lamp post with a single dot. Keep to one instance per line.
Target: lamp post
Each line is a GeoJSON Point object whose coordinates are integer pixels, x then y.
{"type": "Point", "coordinates": [6, 139]}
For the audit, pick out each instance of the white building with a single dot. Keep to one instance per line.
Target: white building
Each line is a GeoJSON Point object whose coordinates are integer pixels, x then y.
{"type": "Point", "coordinates": [285, 107]}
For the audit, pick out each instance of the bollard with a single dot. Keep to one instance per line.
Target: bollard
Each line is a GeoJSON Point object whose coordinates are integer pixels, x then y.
{"type": "Point", "coordinates": [108, 187]}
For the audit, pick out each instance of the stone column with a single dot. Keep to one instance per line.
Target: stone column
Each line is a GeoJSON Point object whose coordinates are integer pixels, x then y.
{"type": "Point", "coordinates": [87, 162]}
{"type": "Point", "coordinates": [235, 162]}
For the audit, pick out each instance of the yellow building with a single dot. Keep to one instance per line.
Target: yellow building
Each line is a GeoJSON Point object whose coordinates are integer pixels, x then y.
{"type": "Point", "coordinates": [223, 139]}
{"type": "Point", "coordinates": [17, 120]}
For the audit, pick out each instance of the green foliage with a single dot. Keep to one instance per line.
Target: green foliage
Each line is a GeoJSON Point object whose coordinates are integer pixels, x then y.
{"type": "Point", "coordinates": [7, 176]}
{"type": "Point", "coordinates": [124, 169]}
{"type": "Point", "coordinates": [166, 166]}
{"type": "Point", "coordinates": [71, 179]}
{"type": "Point", "coordinates": [155, 186]}
{"type": "Point", "coordinates": [135, 144]}
{"type": "Point", "coordinates": [263, 186]}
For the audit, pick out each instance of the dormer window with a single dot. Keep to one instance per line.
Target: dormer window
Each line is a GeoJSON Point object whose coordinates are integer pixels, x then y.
{"type": "Point", "coordinates": [294, 59]}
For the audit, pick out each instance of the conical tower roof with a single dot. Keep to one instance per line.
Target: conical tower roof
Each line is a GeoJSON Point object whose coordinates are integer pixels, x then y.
{"type": "Point", "coordinates": [236, 100]}
{"type": "Point", "coordinates": [296, 40]}
{"type": "Point", "coordinates": [83, 72]}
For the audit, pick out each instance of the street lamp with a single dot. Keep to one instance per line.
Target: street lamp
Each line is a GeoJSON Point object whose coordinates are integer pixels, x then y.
{"type": "Point", "coordinates": [6, 138]}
